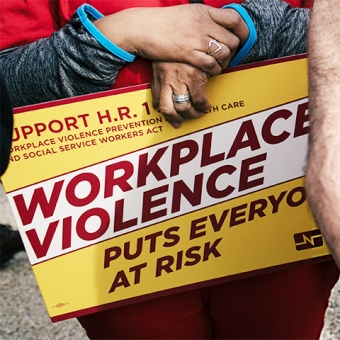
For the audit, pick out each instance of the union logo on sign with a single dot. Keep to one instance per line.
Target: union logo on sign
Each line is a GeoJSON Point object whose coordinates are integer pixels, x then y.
{"type": "Point", "coordinates": [308, 240]}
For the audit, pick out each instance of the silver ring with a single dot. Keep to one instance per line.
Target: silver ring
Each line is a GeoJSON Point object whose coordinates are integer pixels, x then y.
{"type": "Point", "coordinates": [214, 42]}
{"type": "Point", "coordinates": [181, 98]}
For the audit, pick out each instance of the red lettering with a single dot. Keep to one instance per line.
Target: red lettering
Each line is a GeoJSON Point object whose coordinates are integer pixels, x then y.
{"type": "Point", "coordinates": [38, 199]}
{"type": "Point", "coordinates": [111, 254]}
{"type": "Point", "coordinates": [181, 189]}
{"type": "Point", "coordinates": [164, 263]}
{"type": "Point", "coordinates": [26, 130]}
{"type": "Point", "coordinates": [149, 204]}
{"type": "Point", "coordinates": [120, 280]}
{"type": "Point", "coordinates": [212, 189]}
{"type": "Point", "coordinates": [67, 232]}
{"type": "Point", "coordinates": [177, 160]}
{"type": "Point", "coordinates": [119, 223]}
{"type": "Point", "coordinates": [276, 201]}
{"type": "Point", "coordinates": [169, 235]}
{"type": "Point", "coordinates": [145, 167]}
{"type": "Point", "coordinates": [267, 134]}
{"type": "Point", "coordinates": [138, 251]}
{"type": "Point", "coordinates": [207, 158]}
{"type": "Point", "coordinates": [302, 117]}
{"type": "Point", "coordinates": [123, 111]}
{"type": "Point", "coordinates": [153, 240]}
{"type": "Point", "coordinates": [217, 225]}
{"type": "Point", "coordinates": [39, 128]}
{"type": "Point", "coordinates": [236, 213]}
{"type": "Point", "coordinates": [192, 254]}
{"type": "Point", "coordinates": [137, 271]}
{"type": "Point", "coordinates": [301, 191]}
{"type": "Point", "coordinates": [104, 224]}
{"type": "Point", "coordinates": [246, 129]}
{"type": "Point", "coordinates": [196, 226]}
{"type": "Point", "coordinates": [211, 249]}
{"type": "Point", "coordinates": [94, 182]}
{"type": "Point", "coordinates": [257, 208]}
{"type": "Point", "coordinates": [40, 249]}
{"type": "Point", "coordinates": [122, 182]}
{"type": "Point", "coordinates": [246, 172]}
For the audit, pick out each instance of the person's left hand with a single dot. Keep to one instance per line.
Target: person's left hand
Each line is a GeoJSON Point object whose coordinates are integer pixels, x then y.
{"type": "Point", "coordinates": [171, 78]}
{"type": "Point", "coordinates": [182, 33]}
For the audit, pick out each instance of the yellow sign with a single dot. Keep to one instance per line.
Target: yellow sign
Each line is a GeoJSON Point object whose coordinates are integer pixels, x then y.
{"type": "Point", "coordinates": [116, 206]}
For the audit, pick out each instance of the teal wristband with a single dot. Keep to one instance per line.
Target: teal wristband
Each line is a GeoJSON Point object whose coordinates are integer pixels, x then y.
{"type": "Point", "coordinates": [108, 44]}
{"type": "Point", "coordinates": [252, 35]}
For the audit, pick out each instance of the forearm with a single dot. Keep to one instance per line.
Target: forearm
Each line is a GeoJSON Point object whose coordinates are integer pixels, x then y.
{"type": "Point", "coordinates": [323, 172]}
{"type": "Point", "coordinates": [72, 62]}
{"type": "Point", "coordinates": [281, 30]}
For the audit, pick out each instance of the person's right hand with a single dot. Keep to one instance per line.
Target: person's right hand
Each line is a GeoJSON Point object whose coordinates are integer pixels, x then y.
{"type": "Point", "coordinates": [171, 78]}
{"type": "Point", "coordinates": [178, 33]}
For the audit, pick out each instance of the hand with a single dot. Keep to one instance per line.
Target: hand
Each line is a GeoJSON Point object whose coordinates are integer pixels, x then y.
{"type": "Point", "coordinates": [177, 33]}
{"type": "Point", "coordinates": [177, 78]}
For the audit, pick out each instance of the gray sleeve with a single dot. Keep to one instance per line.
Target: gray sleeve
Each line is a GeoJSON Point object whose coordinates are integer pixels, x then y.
{"type": "Point", "coordinates": [69, 63]}
{"type": "Point", "coordinates": [281, 29]}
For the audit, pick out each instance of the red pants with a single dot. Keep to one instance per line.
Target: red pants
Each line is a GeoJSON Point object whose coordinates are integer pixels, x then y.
{"type": "Point", "coordinates": [289, 304]}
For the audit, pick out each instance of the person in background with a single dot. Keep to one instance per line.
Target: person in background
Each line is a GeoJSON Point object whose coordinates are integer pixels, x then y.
{"type": "Point", "coordinates": [323, 171]}
{"type": "Point", "coordinates": [10, 240]}
{"type": "Point", "coordinates": [286, 304]}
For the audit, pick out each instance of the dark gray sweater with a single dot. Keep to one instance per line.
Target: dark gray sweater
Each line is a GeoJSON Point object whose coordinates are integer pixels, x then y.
{"type": "Point", "coordinates": [72, 62]}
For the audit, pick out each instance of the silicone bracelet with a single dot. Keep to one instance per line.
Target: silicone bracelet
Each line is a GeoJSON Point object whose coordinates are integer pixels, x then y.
{"type": "Point", "coordinates": [252, 35]}
{"type": "Point", "coordinates": [108, 44]}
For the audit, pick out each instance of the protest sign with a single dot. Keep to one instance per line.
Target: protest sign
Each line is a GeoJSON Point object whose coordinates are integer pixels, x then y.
{"type": "Point", "coordinates": [116, 206]}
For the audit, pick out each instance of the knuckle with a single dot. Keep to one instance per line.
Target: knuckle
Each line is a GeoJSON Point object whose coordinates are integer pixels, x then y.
{"type": "Point", "coordinates": [209, 65]}
{"type": "Point", "coordinates": [234, 42]}
{"type": "Point", "coordinates": [166, 111]}
{"type": "Point", "coordinates": [224, 55]}
{"type": "Point", "coordinates": [201, 105]}
{"type": "Point", "coordinates": [182, 109]}
{"type": "Point", "coordinates": [235, 18]}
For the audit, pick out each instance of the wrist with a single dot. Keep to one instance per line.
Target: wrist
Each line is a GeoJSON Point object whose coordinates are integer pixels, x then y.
{"type": "Point", "coordinates": [98, 30]}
